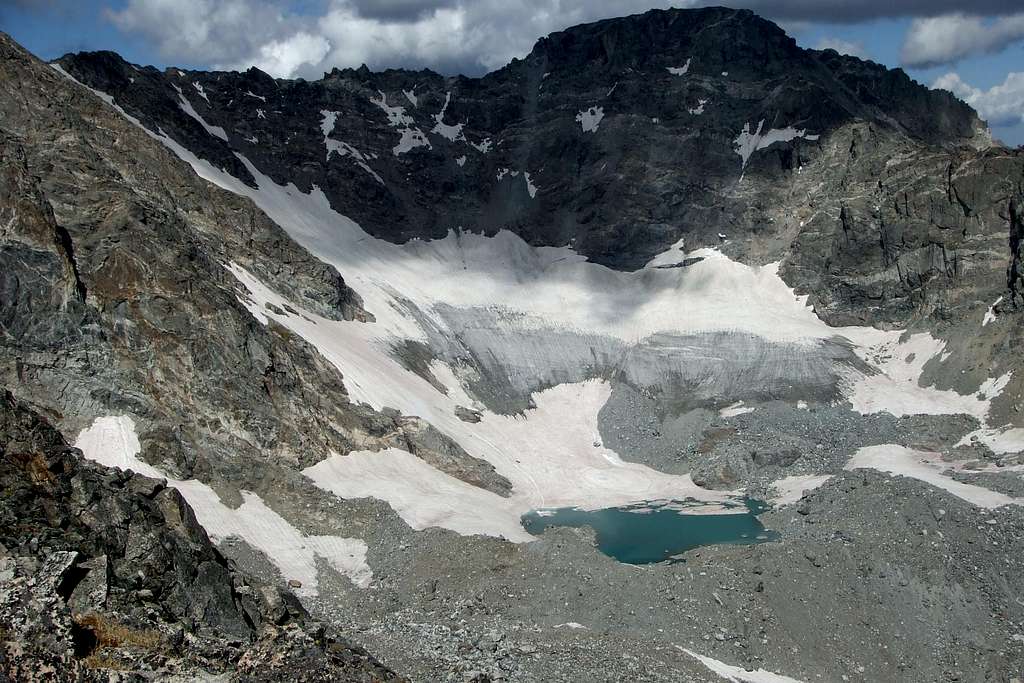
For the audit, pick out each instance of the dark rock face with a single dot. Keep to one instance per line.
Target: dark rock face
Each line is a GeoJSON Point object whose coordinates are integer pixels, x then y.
{"type": "Point", "coordinates": [660, 165]}
{"type": "Point", "coordinates": [1014, 274]}
{"type": "Point", "coordinates": [105, 570]}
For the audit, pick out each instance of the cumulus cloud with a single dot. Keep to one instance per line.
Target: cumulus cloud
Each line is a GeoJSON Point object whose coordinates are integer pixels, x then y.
{"type": "Point", "coordinates": [945, 39]}
{"type": "Point", "coordinates": [205, 31]}
{"type": "Point", "coordinates": [449, 35]}
{"type": "Point", "coordinates": [468, 36]}
{"type": "Point", "coordinates": [843, 47]}
{"type": "Point", "coordinates": [1000, 105]}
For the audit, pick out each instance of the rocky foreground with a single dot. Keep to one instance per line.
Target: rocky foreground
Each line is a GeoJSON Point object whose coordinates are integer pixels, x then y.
{"type": "Point", "coordinates": [106, 575]}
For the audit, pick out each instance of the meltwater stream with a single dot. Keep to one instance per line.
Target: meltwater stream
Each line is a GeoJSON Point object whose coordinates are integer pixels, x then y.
{"type": "Point", "coordinates": [648, 532]}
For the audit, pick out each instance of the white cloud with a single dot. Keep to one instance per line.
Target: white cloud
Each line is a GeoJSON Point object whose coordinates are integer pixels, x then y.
{"type": "Point", "coordinates": [449, 35]}
{"type": "Point", "coordinates": [843, 47]}
{"type": "Point", "coordinates": [205, 31]}
{"type": "Point", "coordinates": [1000, 105]}
{"type": "Point", "coordinates": [285, 57]}
{"type": "Point", "coordinates": [948, 38]}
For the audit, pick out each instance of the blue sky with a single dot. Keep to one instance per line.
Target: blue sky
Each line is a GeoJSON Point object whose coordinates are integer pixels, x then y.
{"type": "Point", "coordinates": [971, 48]}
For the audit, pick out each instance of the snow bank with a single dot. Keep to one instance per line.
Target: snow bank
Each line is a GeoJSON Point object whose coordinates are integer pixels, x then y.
{"type": "Point", "coordinates": [789, 490]}
{"type": "Point", "coordinates": [737, 674]}
{"type": "Point", "coordinates": [112, 441]}
{"type": "Point", "coordinates": [929, 468]}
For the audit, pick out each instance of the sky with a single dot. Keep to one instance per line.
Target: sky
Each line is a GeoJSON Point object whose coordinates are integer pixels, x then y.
{"type": "Point", "coordinates": [974, 49]}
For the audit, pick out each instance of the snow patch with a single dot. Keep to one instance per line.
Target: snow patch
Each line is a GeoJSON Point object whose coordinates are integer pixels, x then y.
{"type": "Point", "coordinates": [530, 187]}
{"type": "Point", "coordinates": [112, 441]}
{"type": "Point", "coordinates": [484, 146]}
{"type": "Point", "coordinates": [412, 137]}
{"type": "Point", "coordinates": [590, 119]}
{"type": "Point", "coordinates": [737, 674]}
{"type": "Point", "coordinates": [896, 388]}
{"type": "Point", "coordinates": [990, 314]}
{"type": "Point", "coordinates": [789, 490]}
{"type": "Point", "coordinates": [747, 142]}
{"type": "Point", "coordinates": [201, 91]}
{"type": "Point", "coordinates": [449, 132]}
{"type": "Point", "coordinates": [735, 409]}
{"type": "Point", "coordinates": [929, 468]}
{"type": "Point", "coordinates": [461, 161]}
{"type": "Point", "coordinates": [411, 96]}
{"type": "Point", "coordinates": [343, 148]}
{"type": "Point", "coordinates": [680, 70]}
{"type": "Point", "coordinates": [1000, 440]}
{"type": "Point", "coordinates": [699, 109]}
{"type": "Point", "coordinates": [261, 98]}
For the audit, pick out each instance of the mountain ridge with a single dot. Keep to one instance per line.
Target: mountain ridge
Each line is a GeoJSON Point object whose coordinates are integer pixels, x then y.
{"type": "Point", "coordinates": [522, 117]}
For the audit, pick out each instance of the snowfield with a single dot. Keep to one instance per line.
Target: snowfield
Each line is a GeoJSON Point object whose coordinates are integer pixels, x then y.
{"type": "Point", "coordinates": [502, 299]}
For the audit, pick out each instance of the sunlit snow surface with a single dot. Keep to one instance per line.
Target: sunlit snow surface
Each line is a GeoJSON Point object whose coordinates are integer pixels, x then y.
{"type": "Point", "coordinates": [546, 312]}
{"type": "Point", "coordinates": [112, 441]}
{"type": "Point", "coordinates": [927, 467]}
{"type": "Point", "coordinates": [737, 674]}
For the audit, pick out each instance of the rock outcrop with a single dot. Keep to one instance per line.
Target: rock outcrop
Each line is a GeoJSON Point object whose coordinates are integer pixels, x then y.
{"type": "Point", "coordinates": [106, 574]}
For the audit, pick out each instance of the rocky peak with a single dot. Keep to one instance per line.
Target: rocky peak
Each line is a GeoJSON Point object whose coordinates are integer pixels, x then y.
{"type": "Point", "coordinates": [719, 38]}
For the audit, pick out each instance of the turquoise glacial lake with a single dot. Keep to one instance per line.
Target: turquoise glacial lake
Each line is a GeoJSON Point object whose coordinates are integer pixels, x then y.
{"type": "Point", "coordinates": [657, 531]}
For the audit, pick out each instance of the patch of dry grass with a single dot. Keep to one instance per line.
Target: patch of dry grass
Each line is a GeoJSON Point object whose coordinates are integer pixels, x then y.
{"type": "Point", "coordinates": [111, 634]}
